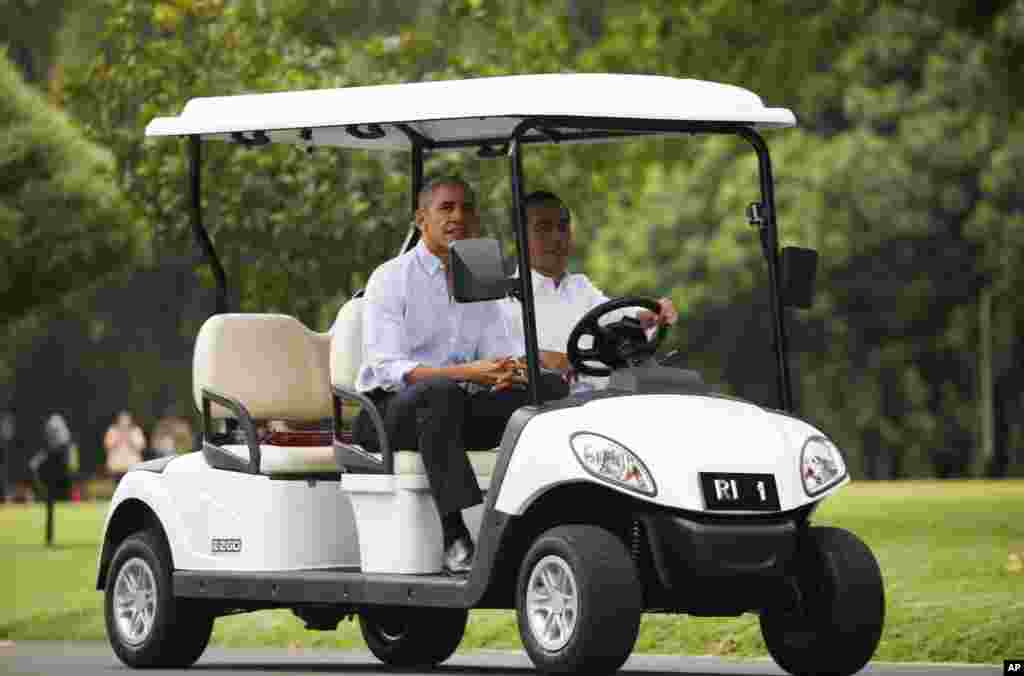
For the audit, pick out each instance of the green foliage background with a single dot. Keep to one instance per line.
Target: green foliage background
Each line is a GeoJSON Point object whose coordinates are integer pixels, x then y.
{"type": "Point", "coordinates": [904, 174]}
{"type": "Point", "coordinates": [63, 219]}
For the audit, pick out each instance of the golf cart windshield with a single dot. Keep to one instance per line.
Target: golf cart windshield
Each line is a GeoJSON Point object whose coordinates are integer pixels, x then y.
{"type": "Point", "coordinates": [494, 116]}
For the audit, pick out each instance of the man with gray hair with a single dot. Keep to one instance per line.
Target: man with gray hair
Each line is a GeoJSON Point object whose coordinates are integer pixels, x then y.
{"type": "Point", "coordinates": [7, 428]}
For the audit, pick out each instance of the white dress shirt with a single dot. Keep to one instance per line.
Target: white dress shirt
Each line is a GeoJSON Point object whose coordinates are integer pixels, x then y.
{"type": "Point", "coordinates": [410, 320]}
{"type": "Point", "coordinates": [559, 308]}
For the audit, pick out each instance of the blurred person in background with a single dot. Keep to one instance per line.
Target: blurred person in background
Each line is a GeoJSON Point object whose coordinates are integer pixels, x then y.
{"type": "Point", "coordinates": [162, 446]}
{"type": "Point", "coordinates": [124, 443]}
{"type": "Point", "coordinates": [7, 429]}
{"type": "Point", "coordinates": [170, 435]}
{"type": "Point", "coordinates": [50, 466]}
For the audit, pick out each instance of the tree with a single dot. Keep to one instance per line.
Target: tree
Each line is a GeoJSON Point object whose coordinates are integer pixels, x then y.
{"type": "Point", "coordinates": [903, 174]}
{"type": "Point", "coordinates": [299, 232]}
{"type": "Point", "coordinates": [28, 33]}
{"type": "Point", "coordinates": [904, 182]}
{"type": "Point", "coordinates": [63, 220]}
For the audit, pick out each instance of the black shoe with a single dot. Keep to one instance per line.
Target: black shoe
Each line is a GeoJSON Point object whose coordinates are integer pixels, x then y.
{"type": "Point", "coordinates": [458, 558]}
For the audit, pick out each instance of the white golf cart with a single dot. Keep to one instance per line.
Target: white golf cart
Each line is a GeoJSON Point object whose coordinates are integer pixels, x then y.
{"type": "Point", "coordinates": [593, 513]}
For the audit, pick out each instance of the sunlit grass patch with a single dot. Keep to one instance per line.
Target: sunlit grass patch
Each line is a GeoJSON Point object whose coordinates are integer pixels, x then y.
{"type": "Point", "coordinates": [946, 550]}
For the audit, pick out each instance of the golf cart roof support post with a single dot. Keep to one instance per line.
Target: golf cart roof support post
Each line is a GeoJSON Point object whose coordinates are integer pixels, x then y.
{"type": "Point", "coordinates": [416, 185]}
{"type": "Point", "coordinates": [523, 252]}
{"type": "Point", "coordinates": [419, 144]}
{"type": "Point", "coordinates": [417, 178]}
{"type": "Point", "coordinates": [195, 166]}
{"type": "Point", "coordinates": [770, 241]}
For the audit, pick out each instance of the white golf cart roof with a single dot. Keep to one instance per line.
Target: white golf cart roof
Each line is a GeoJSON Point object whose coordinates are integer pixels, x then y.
{"type": "Point", "coordinates": [457, 113]}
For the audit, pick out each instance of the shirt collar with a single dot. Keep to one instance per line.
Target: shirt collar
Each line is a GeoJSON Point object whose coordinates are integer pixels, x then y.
{"type": "Point", "coordinates": [547, 283]}
{"type": "Point", "coordinates": [544, 282]}
{"type": "Point", "coordinates": [431, 264]}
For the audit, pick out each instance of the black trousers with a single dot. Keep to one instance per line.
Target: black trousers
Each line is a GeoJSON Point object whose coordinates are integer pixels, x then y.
{"type": "Point", "coordinates": [441, 420]}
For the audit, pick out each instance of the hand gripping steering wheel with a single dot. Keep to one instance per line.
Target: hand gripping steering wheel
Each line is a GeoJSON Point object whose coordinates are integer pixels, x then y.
{"type": "Point", "coordinates": [620, 343]}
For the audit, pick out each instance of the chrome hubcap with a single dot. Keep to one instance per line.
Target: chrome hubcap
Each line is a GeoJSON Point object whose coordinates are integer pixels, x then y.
{"type": "Point", "coordinates": [391, 632]}
{"type": "Point", "coordinates": [552, 603]}
{"type": "Point", "coordinates": [135, 601]}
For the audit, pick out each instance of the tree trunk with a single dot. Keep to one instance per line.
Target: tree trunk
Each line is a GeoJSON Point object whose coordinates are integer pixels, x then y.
{"type": "Point", "coordinates": [586, 22]}
{"type": "Point", "coordinates": [24, 59]}
{"type": "Point", "coordinates": [1000, 462]}
{"type": "Point", "coordinates": [986, 418]}
{"type": "Point", "coordinates": [1006, 395]}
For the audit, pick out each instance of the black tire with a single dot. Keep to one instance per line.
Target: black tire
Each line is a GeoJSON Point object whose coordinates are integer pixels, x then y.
{"type": "Point", "coordinates": [179, 629]}
{"type": "Point", "coordinates": [413, 637]}
{"type": "Point", "coordinates": [838, 623]}
{"type": "Point", "coordinates": [607, 611]}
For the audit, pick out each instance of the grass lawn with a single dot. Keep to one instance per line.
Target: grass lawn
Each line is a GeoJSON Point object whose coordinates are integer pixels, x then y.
{"type": "Point", "coordinates": [950, 551]}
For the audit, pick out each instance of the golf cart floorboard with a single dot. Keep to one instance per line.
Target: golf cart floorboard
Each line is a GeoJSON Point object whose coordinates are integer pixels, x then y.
{"type": "Point", "coordinates": [347, 586]}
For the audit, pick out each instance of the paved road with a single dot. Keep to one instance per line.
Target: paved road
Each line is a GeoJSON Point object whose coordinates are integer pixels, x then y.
{"type": "Point", "coordinates": [92, 659]}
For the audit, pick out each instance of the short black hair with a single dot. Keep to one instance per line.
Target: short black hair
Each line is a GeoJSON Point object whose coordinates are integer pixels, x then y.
{"type": "Point", "coordinates": [545, 198]}
{"type": "Point", "coordinates": [427, 191]}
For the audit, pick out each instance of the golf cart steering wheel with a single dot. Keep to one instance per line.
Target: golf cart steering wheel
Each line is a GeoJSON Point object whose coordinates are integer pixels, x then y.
{"type": "Point", "coordinates": [620, 343]}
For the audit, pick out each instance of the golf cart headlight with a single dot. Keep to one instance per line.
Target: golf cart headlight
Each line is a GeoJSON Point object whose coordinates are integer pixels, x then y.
{"type": "Point", "coordinates": [612, 462]}
{"type": "Point", "coordinates": [821, 465]}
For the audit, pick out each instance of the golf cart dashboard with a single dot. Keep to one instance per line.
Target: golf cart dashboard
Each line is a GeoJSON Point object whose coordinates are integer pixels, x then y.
{"type": "Point", "coordinates": [647, 378]}
{"type": "Point", "coordinates": [651, 377]}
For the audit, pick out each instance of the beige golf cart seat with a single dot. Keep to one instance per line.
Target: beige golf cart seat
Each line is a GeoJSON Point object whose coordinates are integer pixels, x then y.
{"type": "Point", "coordinates": [345, 361]}
{"type": "Point", "coordinates": [277, 369]}
{"type": "Point", "coordinates": [410, 543]}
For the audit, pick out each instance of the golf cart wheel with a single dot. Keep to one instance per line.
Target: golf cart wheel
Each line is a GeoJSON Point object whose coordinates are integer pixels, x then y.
{"type": "Point", "coordinates": [413, 637]}
{"type": "Point", "coordinates": [837, 622]}
{"type": "Point", "coordinates": [578, 601]}
{"type": "Point", "coordinates": [146, 625]}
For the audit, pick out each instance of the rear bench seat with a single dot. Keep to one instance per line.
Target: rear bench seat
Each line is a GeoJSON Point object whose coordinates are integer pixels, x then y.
{"type": "Point", "coordinates": [278, 369]}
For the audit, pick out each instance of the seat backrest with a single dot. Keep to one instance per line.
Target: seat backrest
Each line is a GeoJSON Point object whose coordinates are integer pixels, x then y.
{"type": "Point", "coordinates": [273, 364]}
{"type": "Point", "coordinates": [347, 344]}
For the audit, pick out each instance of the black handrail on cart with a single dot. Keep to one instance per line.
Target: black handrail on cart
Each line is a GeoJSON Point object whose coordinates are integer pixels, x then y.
{"type": "Point", "coordinates": [243, 418]}
{"type": "Point", "coordinates": [353, 458]}
{"type": "Point", "coordinates": [195, 167]}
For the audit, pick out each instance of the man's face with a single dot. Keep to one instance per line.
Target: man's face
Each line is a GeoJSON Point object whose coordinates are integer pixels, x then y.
{"type": "Point", "coordinates": [550, 240]}
{"type": "Point", "coordinates": [451, 215]}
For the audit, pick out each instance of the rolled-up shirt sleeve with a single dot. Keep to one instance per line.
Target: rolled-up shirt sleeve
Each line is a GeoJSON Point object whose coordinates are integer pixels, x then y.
{"type": "Point", "coordinates": [383, 335]}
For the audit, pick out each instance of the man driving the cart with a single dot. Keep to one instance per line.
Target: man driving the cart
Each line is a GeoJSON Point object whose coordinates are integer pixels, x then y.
{"type": "Point", "coordinates": [443, 374]}
{"type": "Point", "coordinates": [560, 298]}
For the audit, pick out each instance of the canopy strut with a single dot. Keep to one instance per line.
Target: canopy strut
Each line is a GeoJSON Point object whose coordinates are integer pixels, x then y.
{"type": "Point", "coordinates": [523, 252]}
{"type": "Point", "coordinates": [202, 236]}
{"type": "Point", "coordinates": [769, 232]}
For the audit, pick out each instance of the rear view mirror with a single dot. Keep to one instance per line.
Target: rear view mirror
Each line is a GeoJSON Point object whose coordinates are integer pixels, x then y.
{"type": "Point", "coordinates": [476, 271]}
{"type": "Point", "coordinates": [798, 269]}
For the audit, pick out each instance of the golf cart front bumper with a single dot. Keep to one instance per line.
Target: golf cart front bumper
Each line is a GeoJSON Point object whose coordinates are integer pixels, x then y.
{"type": "Point", "coordinates": [713, 566]}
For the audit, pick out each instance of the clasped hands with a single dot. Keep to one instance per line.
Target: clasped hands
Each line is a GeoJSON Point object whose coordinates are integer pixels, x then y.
{"type": "Point", "coordinates": [498, 374]}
